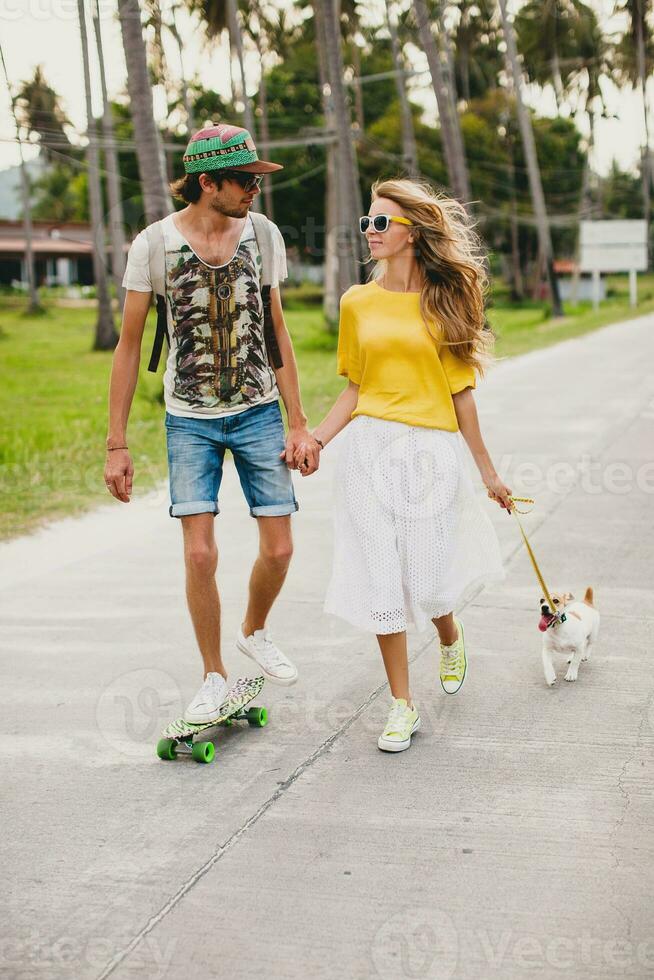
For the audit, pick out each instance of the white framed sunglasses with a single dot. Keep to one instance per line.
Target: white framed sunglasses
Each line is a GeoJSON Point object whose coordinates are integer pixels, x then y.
{"type": "Point", "coordinates": [380, 222]}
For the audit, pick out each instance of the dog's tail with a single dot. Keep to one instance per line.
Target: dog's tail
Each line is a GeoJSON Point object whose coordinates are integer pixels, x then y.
{"type": "Point", "coordinates": [588, 597]}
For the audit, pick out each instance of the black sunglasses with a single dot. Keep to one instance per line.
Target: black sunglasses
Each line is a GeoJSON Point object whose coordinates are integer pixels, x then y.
{"type": "Point", "coordinates": [245, 180]}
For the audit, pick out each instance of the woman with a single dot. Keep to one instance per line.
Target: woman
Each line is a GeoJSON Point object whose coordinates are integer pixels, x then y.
{"type": "Point", "coordinates": [411, 540]}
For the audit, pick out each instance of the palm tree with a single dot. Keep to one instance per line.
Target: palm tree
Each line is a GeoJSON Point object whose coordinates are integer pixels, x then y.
{"type": "Point", "coordinates": [34, 305]}
{"type": "Point", "coordinates": [40, 111]}
{"type": "Point", "coordinates": [535, 184]}
{"type": "Point", "coordinates": [332, 266]}
{"type": "Point", "coordinates": [449, 79]}
{"type": "Point", "coordinates": [236, 39]}
{"type": "Point", "coordinates": [220, 16]}
{"type": "Point", "coordinates": [593, 62]}
{"type": "Point", "coordinates": [188, 108]}
{"type": "Point", "coordinates": [409, 148]}
{"type": "Point", "coordinates": [349, 190]}
{"type": "Point", "coordinates": [269, 33]}
{"type": "Point", "coordinates": [548, 38]}
{"type": "Point", "coordinates": [106, 337]}
{"type": "Point", "coordinates": [478, 59]}
{"type": "Point", "coordinates": [448, 117]}
{"type": "Point", "coordinates": [116, 220]}
{"type": "Point", "coordinates": [156, 195]}
{"type": "Point", "coordinates": [159, 62]}
{"type": "Point", "coordinates": [350, 24]}
{"type": "Point", "coordinates": [635, 63]}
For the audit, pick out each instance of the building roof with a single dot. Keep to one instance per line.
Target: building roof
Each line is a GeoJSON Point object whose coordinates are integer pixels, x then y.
{"type": "Point", "coordinates": [49, 238]}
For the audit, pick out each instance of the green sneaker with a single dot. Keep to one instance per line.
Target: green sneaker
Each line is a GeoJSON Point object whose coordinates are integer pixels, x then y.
{"type": "Point", "coordinates": [453, 662]}
{"type": "Point", "coordinates": [402, 722]}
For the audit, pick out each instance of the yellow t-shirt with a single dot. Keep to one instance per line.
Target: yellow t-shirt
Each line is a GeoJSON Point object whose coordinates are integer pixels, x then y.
{"type": "Point", "coordinates": [403, 373]}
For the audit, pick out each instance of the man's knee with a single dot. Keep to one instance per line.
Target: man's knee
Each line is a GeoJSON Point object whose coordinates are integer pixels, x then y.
{"type": "Point", "coordinates": [201, 558]}
{"type": "Point", "coordinates": [278, 554]}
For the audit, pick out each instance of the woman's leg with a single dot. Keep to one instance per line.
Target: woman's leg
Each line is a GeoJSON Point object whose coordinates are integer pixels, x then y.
{"type": "Point", "coordinates": [447, 631]}
{"type": "Point", "coordinates": [394, 654]}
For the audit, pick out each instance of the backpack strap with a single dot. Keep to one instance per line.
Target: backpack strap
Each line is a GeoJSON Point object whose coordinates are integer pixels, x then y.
{"type": "Point", "coordinates": [263, 233]}
{"type": "Point", "coordinates": [157, 266]}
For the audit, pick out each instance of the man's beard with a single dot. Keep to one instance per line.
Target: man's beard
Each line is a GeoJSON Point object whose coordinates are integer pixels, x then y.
{"type": "Point", "coordinates": [237, 211]}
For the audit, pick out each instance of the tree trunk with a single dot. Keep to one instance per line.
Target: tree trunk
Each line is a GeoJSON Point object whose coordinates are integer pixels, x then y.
{"type": "Point", "coordinates": [106, 337]}
{"type": "Point", "coordinates": [265, 139]}
{"type": "Point", "coordinates": [517, 286]}
{"type": "Point", "coordinates": [236, 40]}
{"type": "Point", "coordinates": [358, 91]}
{"type": "Point", "coordinates": [638, 13]}
{"type": "Point", "coordinates": [34, 305]}
{"type": "Point", "coordinates": [458, 173]}
{"type": "Point", "coordinates": [585, 206]}
{"type": "Point", "coordinates": [531, 159]}
{"type": "Point", "coordinates": [464, 68]}
{"type": "Point", "coordinates": [449, 79]}
{"type": "Point", "coordinates": [350, 205]}
{"type": "Point", "coordinates": [331, 292]}
{"type": "Point", "coordinates": [116, 220]}
{"type": "Point", "coordinates": [409, 148]}
{"type": "Point", "coordinates": [152, 170]}
{"type": "Point", "coordinates": [188, 108]}
{"type": "Point", "coordinates": [557, 81]}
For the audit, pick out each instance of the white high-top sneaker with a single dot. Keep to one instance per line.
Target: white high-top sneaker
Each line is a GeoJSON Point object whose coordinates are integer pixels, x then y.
{"type": "Point", "coordinates": [274, 665]}
{"type": "Point", "coordinates": [205, 706]}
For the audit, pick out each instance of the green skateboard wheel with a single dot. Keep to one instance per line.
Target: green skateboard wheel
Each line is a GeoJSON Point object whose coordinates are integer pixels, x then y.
{"type": "Point", "coordinates": [166, 748]}
{"type": "Point", "coordinates": [203, 751]}
{"type": "Point", "coordinates": [257, 717]}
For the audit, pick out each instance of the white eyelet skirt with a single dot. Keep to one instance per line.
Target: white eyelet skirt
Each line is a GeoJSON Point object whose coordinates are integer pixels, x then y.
{"type": "Point", "coordinates": [411, 538]}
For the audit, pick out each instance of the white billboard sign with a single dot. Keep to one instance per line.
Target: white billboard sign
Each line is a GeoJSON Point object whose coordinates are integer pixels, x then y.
{"type": "Point", "coordinates": [613, 246]}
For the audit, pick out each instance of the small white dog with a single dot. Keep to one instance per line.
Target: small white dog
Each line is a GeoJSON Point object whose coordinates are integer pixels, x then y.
{"type": "Point", "coordinates": [575, 636]}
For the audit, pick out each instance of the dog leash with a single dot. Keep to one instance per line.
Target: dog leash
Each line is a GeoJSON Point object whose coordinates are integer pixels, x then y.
{"type": "Point", "coordinates": [560, 617]}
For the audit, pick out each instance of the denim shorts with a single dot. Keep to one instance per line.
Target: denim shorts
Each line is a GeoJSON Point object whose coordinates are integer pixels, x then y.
{"type": "Point", "coordinates": [196, 449]}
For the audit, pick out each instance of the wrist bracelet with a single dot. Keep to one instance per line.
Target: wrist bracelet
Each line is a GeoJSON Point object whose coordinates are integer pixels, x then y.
{"type": "Point", "coordinates": [320, 442]}
{"type": "Point", "coordinates": [111, 449]}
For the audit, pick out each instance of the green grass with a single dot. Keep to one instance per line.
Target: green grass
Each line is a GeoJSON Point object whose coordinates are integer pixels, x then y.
{"type": "Point", "coordinates": [53, 394]}
{"type": "Point", "coordinates": [529, 326]}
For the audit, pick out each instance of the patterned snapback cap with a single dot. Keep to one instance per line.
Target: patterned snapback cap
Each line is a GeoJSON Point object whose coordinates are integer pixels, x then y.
{"type": "Point", "coordinates": [224, 147]}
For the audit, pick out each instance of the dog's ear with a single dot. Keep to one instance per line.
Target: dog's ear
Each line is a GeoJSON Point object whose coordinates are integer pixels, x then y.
{"type": "Point", "coordinates": [568, 596]}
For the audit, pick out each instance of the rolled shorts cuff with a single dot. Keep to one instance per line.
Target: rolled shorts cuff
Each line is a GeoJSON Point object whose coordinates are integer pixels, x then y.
{"type": "Point", "coordinates": [274, 510]}
{"type": "Point", "coordinates": [194, 507]}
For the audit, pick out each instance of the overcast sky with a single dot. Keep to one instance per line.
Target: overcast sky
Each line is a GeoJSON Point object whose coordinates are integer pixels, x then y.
{"type": "Point", "coordinates": [46, 32]}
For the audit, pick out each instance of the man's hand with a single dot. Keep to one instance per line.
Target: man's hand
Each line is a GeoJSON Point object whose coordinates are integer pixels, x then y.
{"type": "Point", "coordinates": [302, 451]}
{"type": "Point", "coordinates": [118, 474]}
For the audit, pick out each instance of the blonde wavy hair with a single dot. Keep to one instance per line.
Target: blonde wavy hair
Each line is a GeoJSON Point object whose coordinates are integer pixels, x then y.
{"type": "Point", "coordinates": [453, 263]}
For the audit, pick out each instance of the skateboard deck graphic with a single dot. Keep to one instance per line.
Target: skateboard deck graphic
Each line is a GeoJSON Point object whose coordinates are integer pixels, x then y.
{"type": "Point", "coordinates": [233, 708]}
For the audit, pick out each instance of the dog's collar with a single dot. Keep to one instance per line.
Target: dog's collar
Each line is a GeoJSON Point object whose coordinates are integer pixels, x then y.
{"type": "Point", "coordinates": [557, 618]}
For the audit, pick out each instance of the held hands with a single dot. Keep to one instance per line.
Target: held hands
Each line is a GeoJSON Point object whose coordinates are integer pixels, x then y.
{"type": "Point", "coordinates": [118, 474]}
{"type": "Point", "coordinates": [302, 451]}
{"type": "Point", "coordinates": [499, 492]}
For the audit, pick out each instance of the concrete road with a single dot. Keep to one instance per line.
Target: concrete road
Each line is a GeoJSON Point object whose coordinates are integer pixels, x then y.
{"type": "Point", "coordinates": [513, 840]}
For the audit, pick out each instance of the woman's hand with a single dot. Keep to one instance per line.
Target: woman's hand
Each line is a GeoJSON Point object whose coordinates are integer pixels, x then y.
{"type": "Point", "coordinates": [497, 490]}
{"type": "Point", "coordinates": [307, 457]}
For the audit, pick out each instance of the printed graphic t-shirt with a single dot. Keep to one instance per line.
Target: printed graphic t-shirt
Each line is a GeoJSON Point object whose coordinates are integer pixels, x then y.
{"type": "Point", "coordinates": [403, 374]}
{"type": "Point", "coordinates": [217, 364]}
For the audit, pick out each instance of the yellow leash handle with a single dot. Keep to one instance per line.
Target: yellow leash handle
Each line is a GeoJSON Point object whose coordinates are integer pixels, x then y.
{"type": "Point", "coordinates": [524, 500]}
{"type": "Point", "coordinates": [514, 510]}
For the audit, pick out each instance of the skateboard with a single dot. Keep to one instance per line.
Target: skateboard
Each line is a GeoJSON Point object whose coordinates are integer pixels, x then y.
{"type": "Point", "coordinates": [183, 733]}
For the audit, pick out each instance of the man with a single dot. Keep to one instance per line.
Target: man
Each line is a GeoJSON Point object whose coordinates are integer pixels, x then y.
{"type": "Point", "coordinates": [221, 388]}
